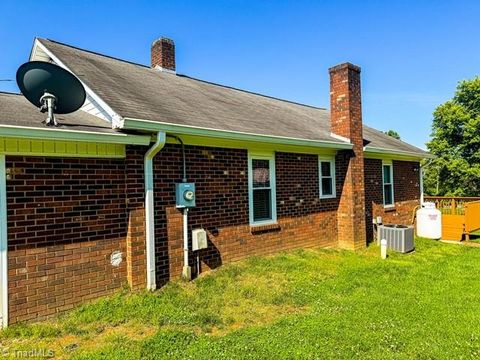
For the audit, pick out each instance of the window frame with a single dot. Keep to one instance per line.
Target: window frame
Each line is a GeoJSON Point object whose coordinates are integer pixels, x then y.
{"type": "Point", "coordinates": [273, 193]}
{"type": "Point", "coordinates": [331, 160]}
{"type": "Point", "coordinates": [391, 183]}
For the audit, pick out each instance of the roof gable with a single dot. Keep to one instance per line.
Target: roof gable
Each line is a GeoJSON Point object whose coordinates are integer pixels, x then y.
{"type": "Point", "coordinates": [93, 105]}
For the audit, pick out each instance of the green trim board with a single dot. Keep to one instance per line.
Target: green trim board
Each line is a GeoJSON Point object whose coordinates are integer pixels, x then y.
{"type": "Point", "coordinates": [21, 146]}
{"type": "Point", "coordinates": [389, 154]}
{"type": "Point", "coordinates": [148, 125]}
{"type": "Point", "coordinates": [259, 146]}
{"type": "Point", "coordinates": [249, 145]}
{"type": "Point", "coordinates": [61, 134]}
{"type": "Point", "coordinates": [382, 156]}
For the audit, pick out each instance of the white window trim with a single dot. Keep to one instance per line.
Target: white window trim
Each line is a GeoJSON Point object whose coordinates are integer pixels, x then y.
{"type": "Point", "coordinates": [389, 163]}
{"type": "Point", "coordinates": [331, 160]}
{"type": "Point", "coordinates": [262, 156]}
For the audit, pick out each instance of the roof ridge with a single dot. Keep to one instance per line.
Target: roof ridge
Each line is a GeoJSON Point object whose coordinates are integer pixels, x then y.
{"type": "Point", "coordinates": [184, 75]}
{"type": "Point", "coordinates": [251, 92]}
{"type": "Point", "coordinates": [94, 52]}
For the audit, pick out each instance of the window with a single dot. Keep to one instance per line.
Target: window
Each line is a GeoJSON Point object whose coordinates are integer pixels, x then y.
{"type": "Point", "coordinates": [387, 173]}
{"type": "Point", "coordinates": [326, 169]}
{"type": "Point", "coordinates": [261, 184]}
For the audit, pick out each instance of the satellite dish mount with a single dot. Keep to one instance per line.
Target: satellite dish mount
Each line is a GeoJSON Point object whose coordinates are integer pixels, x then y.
{"type": "Point", "coordinates": [48, 105]}
{"type": "Point", "coordinates": [51, 88]}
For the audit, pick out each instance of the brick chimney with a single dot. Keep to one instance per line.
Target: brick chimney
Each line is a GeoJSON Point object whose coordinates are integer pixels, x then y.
{"type": "Point", "coordinates": [346, 122]}
{"type": "Point", "coordinates": [163, 54]}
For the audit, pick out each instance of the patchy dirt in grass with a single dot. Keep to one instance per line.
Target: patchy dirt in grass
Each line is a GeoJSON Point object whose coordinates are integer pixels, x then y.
{"type": "Point", "coordinates": [70, 344]}
{"type": "Point", "coordinates": [64, 346]}
{"type": "Point", "coordinates": [264, 315]}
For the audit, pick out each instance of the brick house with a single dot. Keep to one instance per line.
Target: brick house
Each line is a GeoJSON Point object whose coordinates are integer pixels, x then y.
{"type": "Point", "coordinates": [89, 206]}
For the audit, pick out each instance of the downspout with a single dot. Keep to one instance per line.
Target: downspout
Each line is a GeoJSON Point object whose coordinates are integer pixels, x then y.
{"type": "Point", "coordinates": [150, 208]}
{"type": "Point", "coordinates": [421, 185]}
{"type": "Point", "coordinates": [3, 245]}
{"type": "Point", "coordinates": [421, 179]}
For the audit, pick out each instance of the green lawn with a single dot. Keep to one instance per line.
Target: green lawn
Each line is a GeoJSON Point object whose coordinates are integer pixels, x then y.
{"type": "Point", "coordinates": [303, 304]}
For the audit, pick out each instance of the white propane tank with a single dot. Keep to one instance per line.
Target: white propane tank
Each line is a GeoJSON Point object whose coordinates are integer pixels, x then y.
{"type": "Point", "coordinates": [429, 221]}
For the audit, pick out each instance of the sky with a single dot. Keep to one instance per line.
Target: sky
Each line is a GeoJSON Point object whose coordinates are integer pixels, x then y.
{"type": "Point", "coordinates": [412, 53]}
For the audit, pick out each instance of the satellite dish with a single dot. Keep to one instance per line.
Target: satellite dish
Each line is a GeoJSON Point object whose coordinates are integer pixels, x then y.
{"type": "Point", "coordinates": [51, 88]}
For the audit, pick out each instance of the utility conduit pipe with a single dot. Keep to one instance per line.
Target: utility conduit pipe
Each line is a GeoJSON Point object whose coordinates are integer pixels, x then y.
{"type": "Point", "coordinates": [150, 208]}
{"type": "Point", "coordinates": [186, 270]}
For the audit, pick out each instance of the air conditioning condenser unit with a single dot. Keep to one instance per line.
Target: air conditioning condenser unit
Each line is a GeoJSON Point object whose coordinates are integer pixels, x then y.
{"type": "Point", "coordinates": [399, 237]}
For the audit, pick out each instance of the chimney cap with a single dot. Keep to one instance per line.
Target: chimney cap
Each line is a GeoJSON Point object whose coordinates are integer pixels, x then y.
{"type": "Point", "coordinates": [343, 66]}
{"type": "Point", "coordinates": [164, 39]}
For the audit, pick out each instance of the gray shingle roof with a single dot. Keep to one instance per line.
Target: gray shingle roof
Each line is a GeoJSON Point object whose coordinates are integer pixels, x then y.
{"type": "Point", "coordinates": [377, 139]}
{"type": "Point", "coordinates": [136, 91]}
{"type": "Point", "coordinates": [139, 92]}
{"type": "Point", "coordinates": [15, 110]}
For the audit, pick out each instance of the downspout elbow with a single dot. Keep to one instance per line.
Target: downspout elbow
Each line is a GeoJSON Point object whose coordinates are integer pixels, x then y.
{"type": "Point", "coordinates": [150, 208]}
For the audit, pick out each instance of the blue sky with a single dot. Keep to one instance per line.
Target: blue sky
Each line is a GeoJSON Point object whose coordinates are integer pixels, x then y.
{"type": "Point", "coordinates": [412, 53]}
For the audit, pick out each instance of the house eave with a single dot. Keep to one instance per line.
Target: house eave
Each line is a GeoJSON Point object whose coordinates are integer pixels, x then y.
{"type": "Point", "coordinates": [148, 125]}
{"type": "Point", "coordinates": [371, 151]}
{"type": "Point", "coordinates": [61, 134]}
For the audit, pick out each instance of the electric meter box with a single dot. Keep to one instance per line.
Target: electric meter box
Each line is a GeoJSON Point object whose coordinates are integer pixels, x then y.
{"type": "Point", "coordinates": [185, 195]}
{"type": "Point", "coordinates": [199, 239]}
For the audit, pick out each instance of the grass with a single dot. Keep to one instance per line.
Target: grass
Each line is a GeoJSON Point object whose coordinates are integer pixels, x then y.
{"type": "Point", "coordinates": [302, 304]}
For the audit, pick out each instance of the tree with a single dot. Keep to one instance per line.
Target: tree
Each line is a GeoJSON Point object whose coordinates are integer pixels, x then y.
{"type": "Point", "coordinates": [393, 134]}
{"type": "Point", "coordinates": [456, 143]}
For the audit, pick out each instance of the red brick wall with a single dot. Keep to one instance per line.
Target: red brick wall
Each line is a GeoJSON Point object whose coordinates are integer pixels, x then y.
{"type": "Point", "coordinates": [220, 176]}
{"type": "Point", "coordinates": [65, 218]}
{"type": "Point", "coordinates": [298, 187]}
{"type": "Point", "coordinates": [406, 184]}
{"type": "Point", "coordinates": [136, 233]}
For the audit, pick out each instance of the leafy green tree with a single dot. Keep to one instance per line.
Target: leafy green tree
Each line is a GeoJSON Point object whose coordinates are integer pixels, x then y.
{"type": "Point", "coordinates": [393, 134]}
{"type": "Point", "coordinates": [456, 143]}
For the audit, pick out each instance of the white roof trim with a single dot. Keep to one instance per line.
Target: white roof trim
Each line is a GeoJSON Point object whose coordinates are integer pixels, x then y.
{"type": "Point", "coordinates": [339, 137]}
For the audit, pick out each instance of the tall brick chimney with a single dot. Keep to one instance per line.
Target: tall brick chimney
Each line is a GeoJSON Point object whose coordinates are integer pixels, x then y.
{"type": "Point", "coordinates": [163, 54]}
{"type": "Point", "coordinates": [346, 122]}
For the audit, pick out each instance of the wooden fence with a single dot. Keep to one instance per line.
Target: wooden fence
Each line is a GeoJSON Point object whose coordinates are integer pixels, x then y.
{"type": "Point", "coordinates": [460, 215]}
